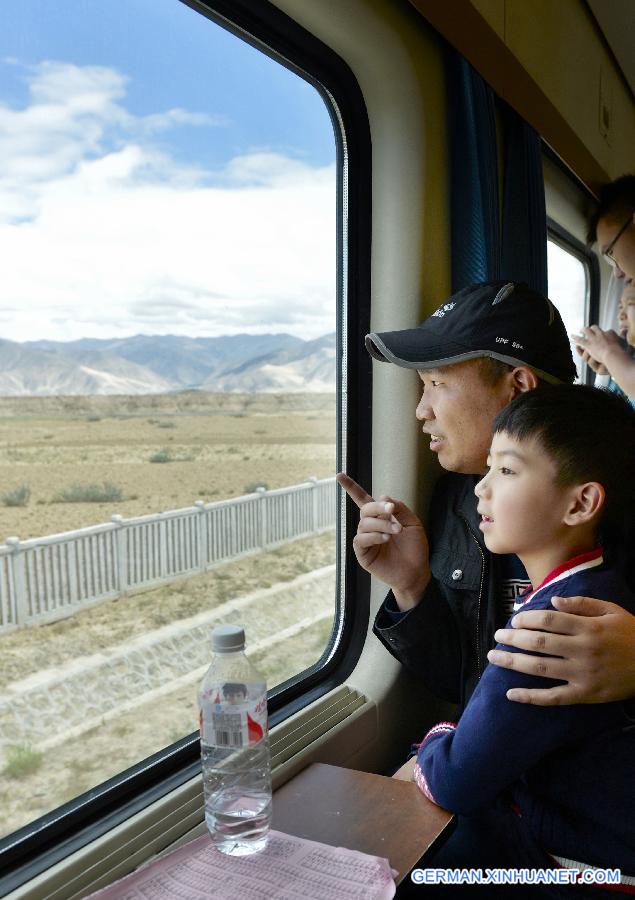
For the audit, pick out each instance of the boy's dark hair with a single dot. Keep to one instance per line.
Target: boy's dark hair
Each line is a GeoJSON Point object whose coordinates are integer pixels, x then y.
{"type": "Point", "coordinates": [617, 200]}
{"type": "Point", "coordinates": [590, 436]}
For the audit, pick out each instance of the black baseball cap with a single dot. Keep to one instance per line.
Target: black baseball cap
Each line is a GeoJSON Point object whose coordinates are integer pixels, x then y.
{"type": "Point", "coordinates": [504, 320]}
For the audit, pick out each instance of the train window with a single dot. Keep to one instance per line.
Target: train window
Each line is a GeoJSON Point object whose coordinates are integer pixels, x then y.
{"type": "Point", "coordinates": [168, 378]}
{"type": "Point", "coordinates": [569, 288]}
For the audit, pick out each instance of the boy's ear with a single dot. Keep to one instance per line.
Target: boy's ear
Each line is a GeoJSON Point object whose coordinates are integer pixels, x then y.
{"type": "Point", "coordinates": [586, 501]}
{"type": "Point", "coordinates": [522, 379]}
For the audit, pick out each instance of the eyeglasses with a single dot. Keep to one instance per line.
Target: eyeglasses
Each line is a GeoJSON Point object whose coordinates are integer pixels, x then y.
{"type": "Point", "coordinates": [608, 252]}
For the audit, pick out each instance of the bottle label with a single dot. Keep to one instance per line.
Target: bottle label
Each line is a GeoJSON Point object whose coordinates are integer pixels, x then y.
{"type": "Point", "coordinates": [233, 715]}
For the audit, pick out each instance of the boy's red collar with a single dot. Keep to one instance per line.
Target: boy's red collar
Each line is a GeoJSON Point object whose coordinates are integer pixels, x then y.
{"type": "Point", "coordinates": [592, 557]}
{"type": "Point", "coordinates": [578, 560]}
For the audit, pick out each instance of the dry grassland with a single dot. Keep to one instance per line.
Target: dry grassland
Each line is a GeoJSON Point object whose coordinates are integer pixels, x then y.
{"type": "Point", "coordinates": [218, 446]}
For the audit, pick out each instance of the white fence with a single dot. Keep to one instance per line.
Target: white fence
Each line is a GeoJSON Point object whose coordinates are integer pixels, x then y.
{"type": "Point", "coordinates": [43, 579]}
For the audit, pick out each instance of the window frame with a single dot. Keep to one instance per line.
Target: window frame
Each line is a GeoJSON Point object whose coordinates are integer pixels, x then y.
{"type": "Point", "coordinates": [570, 244]}
{"type": "Point", "coordinates": [36, 847]}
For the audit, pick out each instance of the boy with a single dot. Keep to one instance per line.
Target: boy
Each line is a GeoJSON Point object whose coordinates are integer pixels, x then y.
{"type": "Point", "coordinates": [561, 481]}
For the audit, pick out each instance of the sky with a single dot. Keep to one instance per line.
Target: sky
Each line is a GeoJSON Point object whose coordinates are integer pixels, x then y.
{"type": "Point", "coordinates": [157, 176]}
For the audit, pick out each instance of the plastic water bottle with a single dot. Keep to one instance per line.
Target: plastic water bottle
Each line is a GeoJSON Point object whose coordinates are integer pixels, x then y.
{"type": "Point", "coordinates": [235, 747]}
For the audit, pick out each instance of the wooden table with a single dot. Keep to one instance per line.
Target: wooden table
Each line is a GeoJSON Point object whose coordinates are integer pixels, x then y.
{"type": "Point", "coordinates": [360, 811]}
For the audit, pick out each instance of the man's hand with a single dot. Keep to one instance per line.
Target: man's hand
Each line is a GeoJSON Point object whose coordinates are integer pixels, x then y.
{"type": "Point", "coordinates": [390, 543]}
{"type": "Point", "coordinates": [406, 772]}
{"type": "Point", "coordinates": [591, 646]}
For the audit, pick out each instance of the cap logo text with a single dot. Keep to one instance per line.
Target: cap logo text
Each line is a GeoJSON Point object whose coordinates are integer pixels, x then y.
{"type": "Point", "coordinates": [515, 344]}
{"type": "Point", "coordinates": [441, 311]}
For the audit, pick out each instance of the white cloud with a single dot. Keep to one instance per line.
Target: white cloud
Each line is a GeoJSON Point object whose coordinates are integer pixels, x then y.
{"type": "Point", "coordinates": [105, 235]}
{"type": "Point", "coordinates": [268, 169]}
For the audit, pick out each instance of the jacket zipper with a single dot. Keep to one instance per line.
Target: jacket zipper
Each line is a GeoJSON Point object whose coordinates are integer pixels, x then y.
{"type": "Point", "coordinates": [479, 668]}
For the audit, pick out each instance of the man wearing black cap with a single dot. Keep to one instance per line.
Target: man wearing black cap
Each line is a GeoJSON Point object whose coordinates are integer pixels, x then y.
{"type": "Point", "coordinates": [477, 351]}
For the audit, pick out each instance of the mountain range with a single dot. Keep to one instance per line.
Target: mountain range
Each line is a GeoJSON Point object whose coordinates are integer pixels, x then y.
{"type": "Point", "coordinates": [157, 364]}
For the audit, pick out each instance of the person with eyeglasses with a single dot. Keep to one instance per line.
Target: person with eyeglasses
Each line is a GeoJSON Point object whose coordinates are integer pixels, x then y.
{"type": "Point", "coordinates": [612, 225]}
{"type": "Point", "coordinates": [593, 641]}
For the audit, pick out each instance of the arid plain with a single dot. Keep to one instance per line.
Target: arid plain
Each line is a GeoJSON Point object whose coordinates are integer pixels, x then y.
{"type": "Point", "coordinates": [214, 447]}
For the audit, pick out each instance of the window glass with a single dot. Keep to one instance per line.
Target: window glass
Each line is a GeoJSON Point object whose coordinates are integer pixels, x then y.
{"type": "Point", "coordinates": [167, 380]}
{"type": "Point", "coordinates": [568, 288]}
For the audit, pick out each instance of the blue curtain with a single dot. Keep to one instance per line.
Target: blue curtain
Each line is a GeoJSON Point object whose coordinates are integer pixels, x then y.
{"type": "Point", "coordinates": [474, 175]}
{"type": "Point", "coordinates": [524, 236]}
{"type": "Point", "coordinates": [481, 250]}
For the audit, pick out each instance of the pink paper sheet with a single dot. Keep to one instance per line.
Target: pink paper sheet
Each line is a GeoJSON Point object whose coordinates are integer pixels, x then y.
{"type": "Point", "coordinates": [289, 867]}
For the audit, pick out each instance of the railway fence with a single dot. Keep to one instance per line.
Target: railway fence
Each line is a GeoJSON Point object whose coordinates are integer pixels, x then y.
{"type": "Point", "coordinates": [48, 578]}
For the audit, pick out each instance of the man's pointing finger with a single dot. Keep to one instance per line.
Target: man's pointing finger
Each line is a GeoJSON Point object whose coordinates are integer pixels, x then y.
{"type": "Point", "coordinates": [357, 493]}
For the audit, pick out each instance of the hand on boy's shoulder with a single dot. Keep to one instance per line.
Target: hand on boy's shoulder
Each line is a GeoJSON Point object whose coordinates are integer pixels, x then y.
{"type": "Point", "coordinates": [590, 645]}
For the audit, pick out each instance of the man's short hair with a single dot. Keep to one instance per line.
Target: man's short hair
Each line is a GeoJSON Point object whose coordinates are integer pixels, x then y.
{"type": "Point", "coordinates": [590, 436]}
{"type": "Point", "coordinates": [494, 370]}
{"type": "Point", "coordinates": [617, 200]}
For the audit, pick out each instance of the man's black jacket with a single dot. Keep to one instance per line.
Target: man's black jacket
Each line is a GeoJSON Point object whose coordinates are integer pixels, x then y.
{"type": "Point", "coordinates": [444, 640]}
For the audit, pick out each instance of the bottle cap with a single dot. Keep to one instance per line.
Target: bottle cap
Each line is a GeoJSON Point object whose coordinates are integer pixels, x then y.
{"type": "Point", "coordinates": [228, 638]}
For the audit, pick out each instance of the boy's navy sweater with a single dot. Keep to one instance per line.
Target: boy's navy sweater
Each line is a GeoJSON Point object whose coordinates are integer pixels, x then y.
{"type": "Point", "coordinates": [569, 769]}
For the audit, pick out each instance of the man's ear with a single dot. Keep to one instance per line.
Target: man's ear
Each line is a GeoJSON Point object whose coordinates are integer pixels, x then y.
{"type": "Point", "coordinates": [522, 379]}
{"type": "Point", "coordinates": [586, 501]}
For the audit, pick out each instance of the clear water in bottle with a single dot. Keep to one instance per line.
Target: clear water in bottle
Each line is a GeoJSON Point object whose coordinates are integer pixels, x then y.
{"type": "Point", "coordinates": [237, 797]}
{"type": "Point", "coordinates": [235, 748]}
